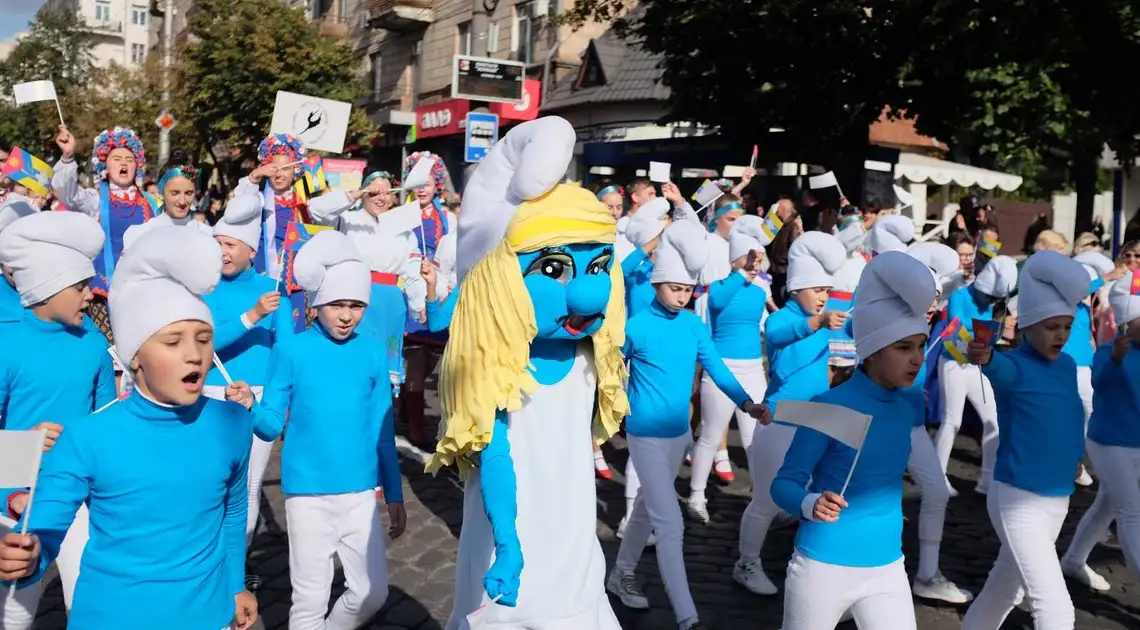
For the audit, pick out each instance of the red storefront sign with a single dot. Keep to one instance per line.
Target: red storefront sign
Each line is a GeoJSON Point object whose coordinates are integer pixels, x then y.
{"type": "Point", "coordinates": [527, 110]}
{"type": "Point", "coordinates": [441, 119]}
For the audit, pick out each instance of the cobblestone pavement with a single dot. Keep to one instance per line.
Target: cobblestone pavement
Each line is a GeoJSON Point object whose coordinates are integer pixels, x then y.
{"type": "Point", "coordinates": [422, 562]}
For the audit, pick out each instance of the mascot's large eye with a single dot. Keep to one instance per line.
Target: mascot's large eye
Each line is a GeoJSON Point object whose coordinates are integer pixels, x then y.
{"type": "Point", "coordinates": [601, 264]}
{"type": "Point", "coordinates": [556, 265]}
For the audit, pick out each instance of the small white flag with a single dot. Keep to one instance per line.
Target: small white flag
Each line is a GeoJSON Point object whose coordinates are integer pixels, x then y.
{"type": "Point", "coordinates": [420, 174]}
{"type": "Point", "coordinates": [840, 423]}
{"type": "Point", "coordinates": [33, 92]}
{"type": "Point", "coordinates": [906, 199]}
{"type": "Point", "coordinates": [20, 453]}
{"type": "Point", "coordinates": [827, 180]}
{"type": "Point", "coordinates": [659, 172]}
{"type": "Point", "coordinates": [707, 194]}
{"type": "Point", "coordinates": [402, 219]}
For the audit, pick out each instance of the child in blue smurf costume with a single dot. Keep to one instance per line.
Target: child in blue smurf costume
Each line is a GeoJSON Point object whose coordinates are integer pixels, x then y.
{"type": "Point", "coordinates": [534, 354]}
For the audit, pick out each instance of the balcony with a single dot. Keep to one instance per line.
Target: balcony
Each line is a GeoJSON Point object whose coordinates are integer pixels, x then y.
{"type": "Point", "coordinates": [332, 26]}
{"type": "Point", "coordinates": [401, 16]}
{"type": "Point", "coordinates": [104, 27]}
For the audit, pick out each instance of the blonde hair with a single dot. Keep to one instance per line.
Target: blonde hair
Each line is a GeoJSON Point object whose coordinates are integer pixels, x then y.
{"type": "Point", "coordinates": [1048, 239]}
{"type": "Point", "coordinates": [487, 359]}
{"type": "Point", "coordinates": [1086, 242]}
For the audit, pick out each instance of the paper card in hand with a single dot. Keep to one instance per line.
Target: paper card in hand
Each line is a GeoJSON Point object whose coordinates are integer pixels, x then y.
{"type": "Point", "coordinates": [659, 172]}
{"type": "Point", "coordinates": [986, 331]}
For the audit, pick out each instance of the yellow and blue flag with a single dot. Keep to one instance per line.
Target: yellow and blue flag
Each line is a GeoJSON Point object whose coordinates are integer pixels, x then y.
{"type": "Point", "coordinates": [29, 171]}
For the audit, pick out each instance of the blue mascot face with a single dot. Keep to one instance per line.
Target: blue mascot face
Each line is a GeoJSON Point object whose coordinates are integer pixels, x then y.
{"type": "Point", "coordinates": [569, 286]}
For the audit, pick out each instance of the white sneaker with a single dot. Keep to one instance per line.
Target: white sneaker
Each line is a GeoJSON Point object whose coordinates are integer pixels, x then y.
{"type": "Point", "coordinates": [1084, 479]}
{"type": "Point", "coordinates": [751, 576]}
{"type": "Point", "coordinates": [623, 585]}
{"type": "Point", "coordinates": [1085, 575]}
{"type": "Point", "coordinates": [697, 510]}
{"type": "Point", "coordinates": [941, 589]}
{"type": "Point", "coordinates": [621, 534]}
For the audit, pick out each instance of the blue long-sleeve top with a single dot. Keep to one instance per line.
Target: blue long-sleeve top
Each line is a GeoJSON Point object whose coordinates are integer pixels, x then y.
{"type": "Point", "coordinates": [663, 348]}
{"type": "Point", "coordinates": [337, 396]}
{"type": "Point", "coordinates": [245, 350]}
{"type": "Point", "coordinates": [50, 372]}
{"type": "Point", "coordinates": [1080, 344]}
{"type": "Point", "coordinates": [964, 304]}
{"type": "Point", "coordinates": [637, 270]}
{"type": "Point", "coordinates": [166, 490]}
{"type": "Point", "coordinates": [1041, 421]}
{"type": "Point", "coordinates": [10, 308]}
{"type": "Point", "coordinates": [736, 307]}
{"type": "Point", "coordinates": [439, 312]}
{"type": "Point", "coordinates": [1115, 418]}
{"type": "Point", "coordinates": [869, 531]}
{"type": "Point", "coordinates": [797, 356]}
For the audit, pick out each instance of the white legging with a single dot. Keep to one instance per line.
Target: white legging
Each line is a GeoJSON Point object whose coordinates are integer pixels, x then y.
{"type": "Point", "coordinates": [817, 594]}
{"type": "Point", "coordinates": [716, 411]}
{"type": "Point", "coordinates": [959, 383]}
{"type": "Point", "coordinates": [1118, 496]}
{"type": "Point", "coordinates": [19, 610]}
{"type": "Point", "coordinates": [769, 446]}
{"type": "Point", "coordinates": [1085, 389]}
{"type": "Point", "coordinates": [1027, 525]}
{"type": "Point", "coordinates": [931, 481]}
{"type": "Point", "coordinates": [656, 511]}
{"type": "Point", "coordinates": [259, 454]}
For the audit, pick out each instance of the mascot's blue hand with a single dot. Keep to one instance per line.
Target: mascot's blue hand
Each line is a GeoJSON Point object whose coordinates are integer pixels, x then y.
{"type": "Point", "coordinates": [502, 579]}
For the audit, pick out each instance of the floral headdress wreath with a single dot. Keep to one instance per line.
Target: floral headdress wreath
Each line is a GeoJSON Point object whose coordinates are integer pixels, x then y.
{"type": "Point", "coordinates": [117, 138]}
{"type": "Point", "coordinates": [438, 170]}
{"type": "Point", "coordinates": [282, 144]}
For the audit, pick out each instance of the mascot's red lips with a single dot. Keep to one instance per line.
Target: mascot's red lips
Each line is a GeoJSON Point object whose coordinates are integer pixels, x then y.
{"type": "Point", "coordinates": [575, 324]}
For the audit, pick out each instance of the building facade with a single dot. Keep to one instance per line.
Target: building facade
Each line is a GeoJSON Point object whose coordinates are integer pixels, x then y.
{"type": "Point", "coordinates": [120, 28]}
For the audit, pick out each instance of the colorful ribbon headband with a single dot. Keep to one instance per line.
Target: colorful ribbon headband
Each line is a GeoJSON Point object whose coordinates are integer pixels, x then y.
{"type": "Point", "coordinates": [610, 189]}
{"type": "Point", "coordinates": [189, 172]}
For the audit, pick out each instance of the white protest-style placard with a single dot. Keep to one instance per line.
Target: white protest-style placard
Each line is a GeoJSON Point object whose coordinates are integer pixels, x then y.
{"type": "Point", "coordinates": [402, 219]}
{"type": "Point", "coordinates": [420, 174]}
{"type": "Point", "coordinates": [320, 123]}
{"type": "Point", "coordinates": [33, 92]}
{"type": "Point", "coordinates": [843, 424]}
{"type": "Point", "coordinates": [659, 172]}
{"type": "Point", "coordinates": [827, 180]}
{"type": "Point", "coordinates": [20, 455]}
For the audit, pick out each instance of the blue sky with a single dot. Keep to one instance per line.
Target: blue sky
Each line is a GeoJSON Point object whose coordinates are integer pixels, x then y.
{"type": "Point", "coordinates": [15, 15]}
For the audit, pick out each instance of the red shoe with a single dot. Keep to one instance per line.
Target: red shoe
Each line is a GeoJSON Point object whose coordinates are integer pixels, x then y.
{"type": "Point", "coordinates": [723, 471]}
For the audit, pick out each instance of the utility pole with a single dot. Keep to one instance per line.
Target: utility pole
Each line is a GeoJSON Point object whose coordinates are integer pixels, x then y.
{"type": "Point", "coordinates": [167, 35]}
{"type": "Point", "coordinates": [481, 11]}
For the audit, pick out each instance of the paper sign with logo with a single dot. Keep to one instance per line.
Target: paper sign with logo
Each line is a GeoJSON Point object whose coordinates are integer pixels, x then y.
{"type": "Point", "coordinates": [320, 123]}
{"type": "Point", "coordinates": [344, 174]}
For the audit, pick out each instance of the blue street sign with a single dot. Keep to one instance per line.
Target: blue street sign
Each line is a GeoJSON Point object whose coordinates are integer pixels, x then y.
{"type": "Point", "coordinates": [482, 134]}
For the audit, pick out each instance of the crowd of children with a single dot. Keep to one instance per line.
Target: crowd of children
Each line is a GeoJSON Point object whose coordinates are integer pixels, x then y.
{"type": "Point", "coordinates": [556, 310]}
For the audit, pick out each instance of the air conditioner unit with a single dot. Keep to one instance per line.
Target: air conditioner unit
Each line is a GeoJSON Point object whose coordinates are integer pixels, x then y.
{"type": "Point", "coordinates": [541, 8]}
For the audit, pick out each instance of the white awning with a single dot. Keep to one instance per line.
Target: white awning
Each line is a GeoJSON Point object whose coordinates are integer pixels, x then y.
{"type": "Point", "coordinates": [922, 169]}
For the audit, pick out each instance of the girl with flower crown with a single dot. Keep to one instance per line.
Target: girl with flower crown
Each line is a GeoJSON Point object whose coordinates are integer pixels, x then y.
{"type": "Point", "coordinates": [119, 162]}
{"type": "Point", "coordinates": [435, 242]}
{"type": "Point", "coordinates": [271, 189]}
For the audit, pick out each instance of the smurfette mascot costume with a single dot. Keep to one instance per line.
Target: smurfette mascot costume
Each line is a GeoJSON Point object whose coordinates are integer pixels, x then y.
{"type": "Point", "coordinates": [534, 356]}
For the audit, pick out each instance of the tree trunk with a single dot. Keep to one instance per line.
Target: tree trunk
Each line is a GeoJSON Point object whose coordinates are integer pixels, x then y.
{"type": "Point", "coordinates": [1085, 164]}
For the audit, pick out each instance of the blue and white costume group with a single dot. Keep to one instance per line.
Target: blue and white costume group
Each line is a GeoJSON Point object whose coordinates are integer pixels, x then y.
{"type": "Point", "coordinates": [559, 327]}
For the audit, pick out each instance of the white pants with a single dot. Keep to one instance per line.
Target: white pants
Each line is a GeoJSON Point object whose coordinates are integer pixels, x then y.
{"type": "Point", "coordinates": [931, 481]}
{"type": "Point", "coordinates": [1027, 525]}
{"type": "Point", "coordinates": [1118, 497]}
{"type": "Point", "coordinates": [349, 526]}
{"type": "Point", "coordinates": [817, 594]}
{"type": "Point", "coordinates": [656, 510]}
{"type": "Point", "coordinates": [19, 610]}
{"type": "Point", "coordinates": [716, 411]}
{"type": "Point", "coordinates": [769, 445]}
{"type": "Point", "coordinates": [1085, 389]}
{"type": "Point", "coordinates": [960, 383]}
{"type": "Point", "coordinates": [259, 454]}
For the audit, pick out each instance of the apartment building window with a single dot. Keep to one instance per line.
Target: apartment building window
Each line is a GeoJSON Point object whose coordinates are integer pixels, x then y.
{"type": "Point", "coordinates": [138, 53]}
{"type": "Point", "coordinates": [138, 16]}
{"type": "Point", "coordinates": [376, 71]}
{"type": "Point", "coordinates": [464, 39]}
{"type": "Point", "coordinates": [493, 37]}
{"type": "Point", "coordinates": [524, 33]}
{"type": "Point", "coordinates": [102, 11]}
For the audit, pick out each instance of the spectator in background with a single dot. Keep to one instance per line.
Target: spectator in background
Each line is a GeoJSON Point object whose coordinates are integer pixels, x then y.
{"type": "Point", "coordinates": [453, 200]}
{"type": "Point", "coordinates": [961, 243]}
{"type": "Point", "coordinates": [1129, 256]}
{"type": "Point", "coordinates": [778, 255]}
{"type": "Point", "coordinates": [1098, 230]}
{"type": "Point", "coordinates": [1086, 242]}
{"type": "Point", "coordinates": [748, 200]}
{"type": "Point", "coordinates": [809, 211]}
{"type": "Point", "coordinates": [1039, 225]}
{"type": "Point", "coordinates": [966, 220]}
{"type": "Point", "coordinates": [151, 187]}
{"type": "Point", "coordinates": [1132, 228]}
{"type": "Point", "coordinates": [1050, 240]}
